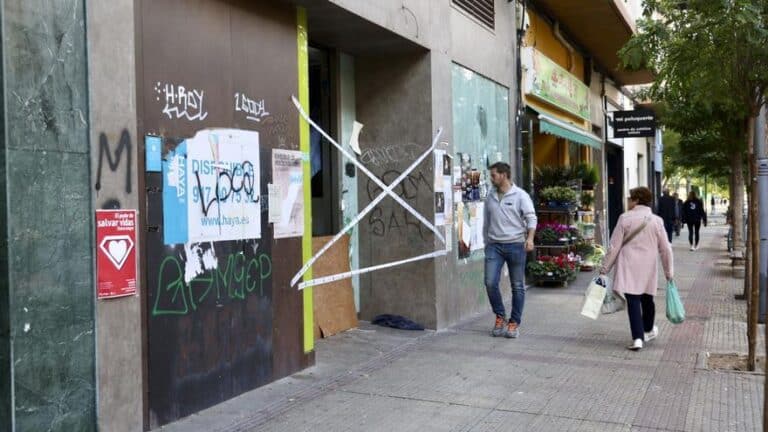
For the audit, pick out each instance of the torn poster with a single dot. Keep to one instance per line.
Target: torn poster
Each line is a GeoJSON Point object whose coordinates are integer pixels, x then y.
{"type": "Point", "coordinates": [287, 177]}
{"type": "Point", "coordinates": [211, 188]}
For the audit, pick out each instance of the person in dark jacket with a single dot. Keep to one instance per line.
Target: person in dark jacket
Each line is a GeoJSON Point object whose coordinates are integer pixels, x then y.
{"type": "Point", "coordinates": [693, 215]}
{"type": "Point", "coordinates": [666, 211]}
{"type": "Point", "coordinates": [678, 213]}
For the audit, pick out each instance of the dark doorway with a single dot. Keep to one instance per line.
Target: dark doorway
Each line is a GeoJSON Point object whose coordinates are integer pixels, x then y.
{"type": "Point", "coordinates": [614, 156]}
{"type": "Point", "coordinates": [322, 109]}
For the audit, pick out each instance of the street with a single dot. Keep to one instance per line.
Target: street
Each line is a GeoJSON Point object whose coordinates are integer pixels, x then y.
{"type": "Point", "coordinates": [564, 373]}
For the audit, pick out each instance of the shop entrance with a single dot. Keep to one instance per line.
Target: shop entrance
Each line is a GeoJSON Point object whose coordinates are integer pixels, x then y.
{"type": "Point", "coordinates": [614, 156]}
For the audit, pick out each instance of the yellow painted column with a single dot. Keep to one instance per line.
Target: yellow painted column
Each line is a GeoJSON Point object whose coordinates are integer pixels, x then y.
{"type": "Point", "coordinates": [306, 240]}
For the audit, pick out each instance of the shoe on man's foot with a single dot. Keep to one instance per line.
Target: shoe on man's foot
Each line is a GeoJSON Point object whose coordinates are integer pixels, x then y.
{"type": "Point", "coordinates": [637, 345]}
{"type": "Point", "coordinates": [651, 335]}
{"type": "Point", "coordinates": [693, 248]}
{"type": "Point", "coordinates": [513, 330]}
{"type": "Point", "coordinates": [498, 327]}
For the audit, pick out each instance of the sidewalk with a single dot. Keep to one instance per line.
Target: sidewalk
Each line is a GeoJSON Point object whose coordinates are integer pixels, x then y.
{"type": "Point", "coordinates": [564, 373]}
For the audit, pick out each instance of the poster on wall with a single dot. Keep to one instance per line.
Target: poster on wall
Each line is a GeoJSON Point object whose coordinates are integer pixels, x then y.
{"type": "Point", "coordinates": [211, 188]}
{"type": "Point", "coordinates": [440, 189]}
{"type": "Point", "coordinates": [116, 253]}
{"type": "Point", "coordinates": [287, 180]}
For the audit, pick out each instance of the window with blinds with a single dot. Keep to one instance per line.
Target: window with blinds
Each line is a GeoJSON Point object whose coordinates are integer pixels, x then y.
{"type": "Point", "coordinates": [480, 9]}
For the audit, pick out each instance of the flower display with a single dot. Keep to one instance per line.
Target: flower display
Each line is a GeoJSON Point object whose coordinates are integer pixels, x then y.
{"type": "Point", "coordinates": [554, 267]}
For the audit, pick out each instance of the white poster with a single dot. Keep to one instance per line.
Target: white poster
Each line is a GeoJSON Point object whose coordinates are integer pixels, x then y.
{"type": "Point", "coordinates": [212, 189]}
{"type": "Point", "coordinates": [477, 220]}
{"type": "Point", "coordinates": [440, 191]}
{"type": "Point", "coordinates": [287, 176]}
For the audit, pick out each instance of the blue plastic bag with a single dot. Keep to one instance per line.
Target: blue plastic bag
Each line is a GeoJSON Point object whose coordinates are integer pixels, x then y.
{"type": "Point", "coordinates": [675, 308]}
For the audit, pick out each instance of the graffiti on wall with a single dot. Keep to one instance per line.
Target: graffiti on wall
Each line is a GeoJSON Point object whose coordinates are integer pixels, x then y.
{"type": "Point", "coordinates": [253, 109]}
{"type": "Point", "coordinates": [181, 102]}
{"type": "Point", "coordinates": [183, 287]}
{"type": "Point", "coordinates": [212, 188]}
{"type": "Point", "coordinates": [114, 159]}
{"type": "Point", "coordinates": [387, 219]}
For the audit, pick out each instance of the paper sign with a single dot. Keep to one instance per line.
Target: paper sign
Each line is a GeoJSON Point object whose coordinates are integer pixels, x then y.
{"type": "Point", "coordinates": [153, 148]}
{"type": "Point", "coordinates": [211, 188]}
{"type": "Point", "coordinates": [116, 253]}
{"type": "Point", "coordinates": [353, 140]}
{"type": "Point", "coordinates": [274, 203]}
{"type": "Point", "coordinates": [287, 177]}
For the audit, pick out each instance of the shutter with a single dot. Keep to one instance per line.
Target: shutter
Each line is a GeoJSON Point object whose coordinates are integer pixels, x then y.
{"type": "Point", "coordinates": [480, 9]}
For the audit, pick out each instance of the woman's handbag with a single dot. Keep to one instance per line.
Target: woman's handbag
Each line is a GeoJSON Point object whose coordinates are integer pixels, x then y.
{"type": "Point", "coordinates": [675, 308]}
{"type": "Point", "coordinates": [593, 298]}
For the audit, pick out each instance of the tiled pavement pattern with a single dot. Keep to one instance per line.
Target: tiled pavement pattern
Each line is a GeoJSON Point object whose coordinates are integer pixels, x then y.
{"type": "Point", "coordinates": [565, 372]}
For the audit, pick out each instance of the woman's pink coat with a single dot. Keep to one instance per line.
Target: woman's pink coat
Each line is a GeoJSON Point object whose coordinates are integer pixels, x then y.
{"type": "Point", "coordinates": [637, 261]}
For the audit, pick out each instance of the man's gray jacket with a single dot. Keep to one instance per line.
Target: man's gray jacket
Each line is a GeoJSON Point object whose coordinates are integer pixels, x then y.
{"type": "Point", "coordinates": [509, 219]}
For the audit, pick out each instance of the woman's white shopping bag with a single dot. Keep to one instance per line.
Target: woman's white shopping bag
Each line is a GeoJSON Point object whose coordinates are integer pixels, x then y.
{"type": "Point", "coordinates": [593, 298]}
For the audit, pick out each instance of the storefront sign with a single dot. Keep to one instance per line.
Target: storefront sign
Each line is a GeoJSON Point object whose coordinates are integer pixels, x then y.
{"type": "Point", "coordinates": [634, 124]}
{"type": "Point", "coordinates": [549, 82]}
{"type": "Point", "coordinates": [116, 253]}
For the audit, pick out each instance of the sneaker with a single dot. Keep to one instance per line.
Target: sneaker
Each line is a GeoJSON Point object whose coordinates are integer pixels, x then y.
{"type": "Point", "coordinates": [637, 345]}
{"type": "Point", "coordinates": [513, 330]}
{"type": "Point", "coordinates": [498, 327]}
{"type": "Point", "coordinates": [651, 335]}
{"type": "Point", "coordinates": [693, 248]}
{"type": "Point", "coordinates": [696, 247]}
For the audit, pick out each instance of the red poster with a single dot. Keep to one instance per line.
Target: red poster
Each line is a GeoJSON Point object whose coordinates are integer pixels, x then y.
{"type": "Point", "coordinates": [116, 253]}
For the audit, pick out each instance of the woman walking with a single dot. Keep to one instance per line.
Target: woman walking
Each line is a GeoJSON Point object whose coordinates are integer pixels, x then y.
{"type": "Point", "coordinates": [638, 239]}
{"type": "Point", "coordinates": [693, 215]}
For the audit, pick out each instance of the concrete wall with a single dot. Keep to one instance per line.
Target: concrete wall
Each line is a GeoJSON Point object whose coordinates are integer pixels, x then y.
{"type": "Point", "coordinates": [416, 107]}
{"type": "Point", "coordinates": [113, 135]}
{"type": "Point", "coordinates": [391, 93]}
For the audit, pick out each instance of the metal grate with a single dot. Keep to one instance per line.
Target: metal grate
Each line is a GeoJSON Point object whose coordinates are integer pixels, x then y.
{"type": "Point", "coordinates": [480, 9]}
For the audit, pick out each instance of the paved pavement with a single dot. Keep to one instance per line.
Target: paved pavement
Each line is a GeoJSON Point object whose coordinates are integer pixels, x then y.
{"type": "Point", "coordinates": [564, 373]}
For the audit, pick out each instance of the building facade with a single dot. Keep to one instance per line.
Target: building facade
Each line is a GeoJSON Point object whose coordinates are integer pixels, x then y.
{"type": "Point", "coordinates": [183, 118]}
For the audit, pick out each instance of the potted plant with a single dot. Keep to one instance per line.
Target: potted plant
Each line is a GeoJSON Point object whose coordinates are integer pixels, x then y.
{"type": "Point", "coordinates": [557, 268]}
{"type": "Point", "coordinates": [552, 233]}
{"type": "Point", "coordinates": [558, 196]}
{"type": "Point", "coordinates": [587, 199]}
{"type": "Point", "coordinates": [588, 174]}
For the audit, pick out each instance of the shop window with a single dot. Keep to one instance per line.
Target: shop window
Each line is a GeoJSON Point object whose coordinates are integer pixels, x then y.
{"type": "Point", "coordinates": [482, 10]}
{"type": "Point", "coordinates": [481, 138]}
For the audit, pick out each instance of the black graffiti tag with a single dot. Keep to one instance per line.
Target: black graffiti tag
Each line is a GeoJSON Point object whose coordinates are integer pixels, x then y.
{"type": "Point", "coordinates": [382, 221]}
{"type": "Point", "coordinates": [228, 183]}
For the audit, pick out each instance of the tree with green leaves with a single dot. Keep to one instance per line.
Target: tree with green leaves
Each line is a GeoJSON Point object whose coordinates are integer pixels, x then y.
{"type": "Point", "coordinates": [710, 58]}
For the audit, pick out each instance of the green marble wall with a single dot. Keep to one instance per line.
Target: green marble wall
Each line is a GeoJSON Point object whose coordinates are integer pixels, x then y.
{"type": "Point", "coordinates": [49, 286]}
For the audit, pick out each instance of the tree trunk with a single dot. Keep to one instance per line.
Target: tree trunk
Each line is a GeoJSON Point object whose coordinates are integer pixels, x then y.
{"type": "Point", "coordinates": [737, 200]}
{"type": "Point", "coordinates": [753, 266]}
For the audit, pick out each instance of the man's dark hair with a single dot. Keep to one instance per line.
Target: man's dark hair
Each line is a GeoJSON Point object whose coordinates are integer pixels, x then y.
{"type": "Point", "coordinates": [502, 168]}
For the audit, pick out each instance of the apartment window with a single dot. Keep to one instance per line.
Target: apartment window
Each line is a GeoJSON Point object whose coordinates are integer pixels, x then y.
{"type": "Point", "coordinates": [480, 9]}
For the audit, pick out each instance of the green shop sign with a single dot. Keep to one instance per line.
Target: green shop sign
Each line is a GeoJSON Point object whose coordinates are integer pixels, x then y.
{"type": "Point", "coordinates": [555, 85]}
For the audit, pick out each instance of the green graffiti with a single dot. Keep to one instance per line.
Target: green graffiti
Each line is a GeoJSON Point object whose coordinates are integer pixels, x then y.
{"type": "Point", "coordinates": [236, 276]}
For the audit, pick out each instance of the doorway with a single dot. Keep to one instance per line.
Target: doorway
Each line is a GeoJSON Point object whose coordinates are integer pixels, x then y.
{"type": "Point", "coordinates": [323, 158]}
{"type": "Point", "coordinates": [615, 180]}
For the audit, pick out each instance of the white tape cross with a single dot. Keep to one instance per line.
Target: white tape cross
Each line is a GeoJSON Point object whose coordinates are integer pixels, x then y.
{"type": "Point", "coordinates": [387, 190]}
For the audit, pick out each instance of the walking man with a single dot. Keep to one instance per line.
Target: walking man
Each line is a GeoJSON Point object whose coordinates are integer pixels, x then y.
{"type": "Point", "coordinates": [509, 228]}
{"type": "Point", "coordinates": [667, 207]}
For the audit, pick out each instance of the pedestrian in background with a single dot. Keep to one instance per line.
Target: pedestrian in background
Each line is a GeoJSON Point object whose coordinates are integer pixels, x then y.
{"type": "Point", "coordinates": [637, 241]}
{"type": "Point", "coordinates": [678, 213]}
{"type": "Point", "coordinates": [712, 202]}
{"type": "Point", "coordinates": [509, 228]}
{"type": "Point", "coordinates": [666, 211]}
{"type": "Point", "coordinates": [693, 215]}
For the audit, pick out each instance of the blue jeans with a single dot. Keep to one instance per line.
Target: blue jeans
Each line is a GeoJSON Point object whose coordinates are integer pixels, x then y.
{"type": "Point", "coordinates": [496, 254]}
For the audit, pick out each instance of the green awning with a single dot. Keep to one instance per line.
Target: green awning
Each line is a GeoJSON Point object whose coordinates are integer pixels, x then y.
{"type": "Point", "coordinates": [556, 127]}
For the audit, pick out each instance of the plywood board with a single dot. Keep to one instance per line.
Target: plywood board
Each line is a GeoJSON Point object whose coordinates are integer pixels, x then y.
{"type": "Point", "coordinates": [334, 303]}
